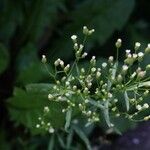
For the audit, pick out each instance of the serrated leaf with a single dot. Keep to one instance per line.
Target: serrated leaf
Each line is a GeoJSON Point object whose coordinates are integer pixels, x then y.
{"type": "Point", "coordinates": [26, 106]}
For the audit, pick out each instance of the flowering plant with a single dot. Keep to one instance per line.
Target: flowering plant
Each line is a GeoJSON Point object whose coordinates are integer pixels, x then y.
{"type": "Point", "coordinates": [100, 90]}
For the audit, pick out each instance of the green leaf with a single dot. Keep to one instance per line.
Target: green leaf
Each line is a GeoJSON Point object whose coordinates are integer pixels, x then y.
{"type": "Point", "coordinates": [29, 66]}
{"type": "Point", "coordinates": [126, 100]}
{"type": "Point", "coordinates": [4, 144]}
{"type": "Point", "coordinates": [68, 119]}
{"type": "Point", "coordinates": [105, 111]}
{"type": "Point", "coordinates": [122, 124]}
{"type": "Point", "coordinates": [51, 143]}
{"type": "Point", "coordinates": [44, 15]}
{"type": "Point", "coordinates": [142, 84]}
{"type": "Point", "coordinates": [61, 141]}
{"type": "Point", "coordinates": [69, 139]}
{"type": "Point", "coordinates": [83, 136]}
{"type": "Point", "coordinates": [94, 103]}
{"type": "Point", "coordinates": [4, 58]}
{"type": "Point", "coordinates": [26, 106]}
{"type": "Point", "coordinates": [97, 14]}
{"type": "Point", "coordinates": [39, 88]}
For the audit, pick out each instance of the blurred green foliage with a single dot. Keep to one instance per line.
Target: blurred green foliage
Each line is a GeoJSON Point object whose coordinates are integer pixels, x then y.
{"type": "Point", "coordinates": [31, 28]}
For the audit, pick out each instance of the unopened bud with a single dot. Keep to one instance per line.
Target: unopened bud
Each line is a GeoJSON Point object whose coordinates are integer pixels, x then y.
{"type": "Point", "coordinates": [147, 50]}
{"type": "Point", "coordinates": [118, 43]}
{"type": "Point", "coordinates": [137, 45]}
{"type": "Point", "coordinates": [44, 60]}
{"type": "Point", "coordinates": [74, 38]}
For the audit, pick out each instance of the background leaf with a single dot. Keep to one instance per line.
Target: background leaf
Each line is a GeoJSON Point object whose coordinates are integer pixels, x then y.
{"type": "Point", "coordinates": [26, 106]}
{"type": "Point", "coordinates": [4, 58]}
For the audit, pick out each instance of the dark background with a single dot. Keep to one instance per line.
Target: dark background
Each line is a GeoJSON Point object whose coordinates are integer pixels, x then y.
{"type": "Point", "coordinates": [31, 28]}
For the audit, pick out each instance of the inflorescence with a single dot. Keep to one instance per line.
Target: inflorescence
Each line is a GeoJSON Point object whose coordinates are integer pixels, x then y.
{"type": "Point", "coordinates": [96, 88]}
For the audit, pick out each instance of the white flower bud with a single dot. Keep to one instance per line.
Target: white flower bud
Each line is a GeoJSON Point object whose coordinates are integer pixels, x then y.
{"type": "Point", "coordinates": [59, 98]}
{"type": "Point", "coordinates": [138, 69]}
{"type": "Point", "coordinates": [124, 68]}
{"type": "Point", "coordinates": [67, 83]}
{"type": "Point", "coordinates": [137, 45]}
{"type": "Point", "coordinates": [148, 67]}
{"type": "Point", "coordinates": [86, 90]}
{"type": "Point", "coordinates": [68, 94]}
{"type": "Point", "coordinates": [67, 68]}
{"type": "Point", "coordinates": [51, 130]}
{"type": "Point", "coordinates": [119, 78]}
{"type": "Point", "coordinates": [147, 50]}
{"type": "Point", "coordinates": [86, 101]}
{"type": "Point", "coordinates": [118, 43]}
{"type": "Point", "coordinates": [110, 95]}
{"type": "Point", "coordinates": [140, 56]}
{"type": "Point", "coordinates": [57, 62]}
{"type": "Point", "coordinates": [89, 113]}
{"type": "Point", "coordinates": [74, 87]}
{"type": "Point", "coordinates": [84, 55]}
{"type": "Point", "coordinates": [93, 70]}
{"type": "Point", "coordinates": [82, 70]}
{"type": "Point", "coordinates": [74, 38]}
{"type": "Point", "coordinates": [61, 63]}
{"type": "Point", "coordinates": [93, 60]}
{"type": "Point", "coordinates": [134, 56]}
{"type": "Point", "coordinates": [147, 118]}
{"type": "Point", "coordinates": [46, 109]}
{"type": "Point", "coordinates": [37, 126]}
{"type": "Point", "coordinates": [141, 74]}
{"type": "Point", "coordinates": [91, 31]}
{"type": "Point", "coordinates": [50, 96]}
{"type": "Point", "coordinates": [128, 51]}
{"type": "Point", "coordinates": [129, 60]}
{"type": "Point", "coordinates": [98, 74]}
{"type": "Point", "coordinates": [145, 106]}
{"type": "Point", "coordinates": [133, 75]}
{"type": "Point", "coordinates": [129, 56]}
{"type": "Point", "coordinates": [85, 30]}
{"type": "Point", "coordinates": [89, 84]}
{"type": "Point", "coordinates": [63, 110]}
{"type": "Point", "coordinates": [44, 60]}
{"type": "Point", "coordinates": [146, 92]}
{"type": "Point", "coordinates": [139, 107]}
{"type": "Point", "coordinates": [110, 59]}
{"type": "Point", "coordinates": [81, 47]}
{"type": "Point", "coordinates": [104, 65]}
{"type": "Point", "coordinates": [75, 46]}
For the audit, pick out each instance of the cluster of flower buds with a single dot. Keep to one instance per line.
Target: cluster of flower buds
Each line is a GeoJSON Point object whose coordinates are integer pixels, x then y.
{"type": "Point", "coordinates": [43, 124]}
{"type": "Point", "coordinates": [59, 62]}
{"type": "Point", "coordinates": [87, 32]}
{"type": "Point", "coordinates": [95, 88]}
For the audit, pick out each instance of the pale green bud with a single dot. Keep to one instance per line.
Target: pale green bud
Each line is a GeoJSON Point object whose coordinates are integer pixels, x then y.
{"type": "Point", "coordinates": [137, 46]}
{"type": "Point", "coordinates": [44, 60]}
{"type": "Point", "coordinates": [118, 43]}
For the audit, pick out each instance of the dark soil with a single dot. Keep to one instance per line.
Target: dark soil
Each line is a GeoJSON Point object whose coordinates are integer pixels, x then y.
{"type": "Point", "coordinates": [137, 139]}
